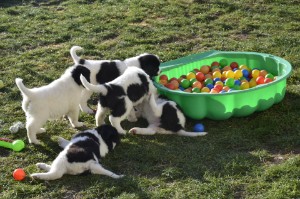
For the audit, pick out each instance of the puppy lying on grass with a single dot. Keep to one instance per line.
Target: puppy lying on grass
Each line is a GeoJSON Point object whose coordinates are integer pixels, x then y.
{"type": "Point", "coordinates": [60, 97]}
{"type": "Point", "coordinates": [165, 118]}
{"type": "Point", "coordinates": [82, 154]}
{"type": "Point", "coordinates": [103, 71]}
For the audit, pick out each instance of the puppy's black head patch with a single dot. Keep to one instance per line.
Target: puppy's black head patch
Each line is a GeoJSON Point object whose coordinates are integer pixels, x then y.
{"type": "Point", "coordinates": [108, 72]}
{"type": "Point", "coordinates": [80, 70]}
{"type": "Point", "coordinates": [109, 134]}
{"type": "Point", "coordinates": [150, 64]}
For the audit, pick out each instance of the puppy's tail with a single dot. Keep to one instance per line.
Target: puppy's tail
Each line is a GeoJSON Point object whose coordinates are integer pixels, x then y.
{"type": "Point", "coordinates": [191, 134]}
{"type": "Point", "coordinates": [95, 88]}
{"type": "Point", "coordinates": [76, 59]}
{"type": "Point", "coordinates": [25, 91]}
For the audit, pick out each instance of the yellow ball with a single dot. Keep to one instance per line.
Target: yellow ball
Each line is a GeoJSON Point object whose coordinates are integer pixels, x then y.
{"type": "Point", "coordinates": [238, 74]}
{"type": "Point", "coordinates": [241, 67]}
{"type": "Point", "coordinates": [252, 83]}
{"type": "Point", "coordinates": [245, 85]}
{"type": "Point", "coordinates": [230, 74]}
{"type": "Point", "coordinates": [217, 74]}
{"type": "Point", "coordinates": [190, 75]}
{"type": "Point", "coordinates": [255, 73]}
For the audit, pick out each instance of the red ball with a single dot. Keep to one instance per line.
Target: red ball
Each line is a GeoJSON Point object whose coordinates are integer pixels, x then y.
{"type": "Point", "coordinates": [19, 174]}
{"type": "Point", "coordinates": [200, 76]}
{"type": "Point", "coordinates": [234, 65]}
{"type": "Point", "coordinates": [170, 86]}
{"type": "Point", "coordinates": [267, 80]}
{"type": "Point", "coordinates": [163, 77]}
{"type": "Point", "coordinates": [260, 80]}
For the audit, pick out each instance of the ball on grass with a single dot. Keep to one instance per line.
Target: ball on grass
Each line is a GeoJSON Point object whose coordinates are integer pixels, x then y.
{"type": "Point", "coordinates": [19, 174]}
{"type": "Point", "coordinates": [199, 127]}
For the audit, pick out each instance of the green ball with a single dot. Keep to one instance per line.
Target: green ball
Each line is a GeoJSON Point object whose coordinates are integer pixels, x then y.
{"type": "Point", "coordinates": [229, 82]}
{"type": "Point", "coordinates": [223, 63]}
{"type": "Point", "coordinates": [185, 83]}
{"type": "Point", "coordinates": [18, 145]}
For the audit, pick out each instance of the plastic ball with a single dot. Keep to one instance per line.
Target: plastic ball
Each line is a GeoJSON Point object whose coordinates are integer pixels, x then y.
{"type": "Point", "coordinates": [245, 72]}
{"type": "Point", "coordinates": [208, 81]}
{"type": "Point", "coordinates": [238, 74]}
{"type": "Point", "coordinates": [18, 145]}
{"type": "Point", "coordinates": [218, 87]}
{"type": "Point", "coordinates": [217, 74]}
{"type": "Point", "coordinates": [163, 81]}
{"type": "Point", "coordinates": [205, 90]}
{"type": "Point", "coordinates": [229, 82]}
{"type": "Point", "coordinates": [210, 86]}
{"type": "Point", "coordinates": [197, 84]}
{"type": "Point", "coordinates": [190, 75]}
{"type": "Point", "coordinates": [205, 69]}
{"type": "Point", "coordinates": [219, 83]}
{"type": "Point", "coordinates": [263, 73]}
{"type": "Point", "coordinates": [234, 65]}
{"type": "Point", "coordinates": [267, 80]}
{"type": "Point", "coordinates": [213, 90]}
{"type": "Point", "coordinates": [252, 83]}
{"type": "Point", "coordinates": [237, 82]}
{"type": "Point", "coordinates": [260, 80]}
{"type": "Point", "coordinates": [19, 174]}
{"type": "Point", "coordinates": [200, 76]}
{"type": "Point", "coordinates": [164, 77]}
{"type": "Point", "coordinates": [199, 127]}
{"type": "Point", "coordinates": [223, 62]}
{"type": "Point", "coordinates": [170, 86]}
{"type": "Point", "coordinates": [215, 63]}
{"type": "Point", "coordinates": [269, 75]}
{"type": "Point", "coordinates": [230, 74]}
{"type": "Point", "coordinates": [255, 73]}
{"type": "Point", "coordinates": [196, 90]}
{"type": "Point", "coordinates": [175, 83]}
{"type": "Point", "coordinates": [192, 80]}
{"type": "Point", "coordinates": [185, 83]}
{"type": "Point", "coordinates": [245, 85]}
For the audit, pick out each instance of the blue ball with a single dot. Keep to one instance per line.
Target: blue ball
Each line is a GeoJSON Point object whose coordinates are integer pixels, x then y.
{"type": "Point", "coordinates": [210, 86]}
{"type": "Point", "coordinates": [199, 127]}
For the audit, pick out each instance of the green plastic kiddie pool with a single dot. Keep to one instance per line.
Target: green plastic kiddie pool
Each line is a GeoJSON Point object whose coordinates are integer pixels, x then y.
{"type": "Point", "coordinates": [222, 106]}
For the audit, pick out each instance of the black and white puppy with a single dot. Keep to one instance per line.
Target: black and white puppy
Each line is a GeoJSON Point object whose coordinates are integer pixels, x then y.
{"type": "Point", "coordinates": [104, 71]}
{"type": "Point", "coordinates": [119, 96]}
{"type": "Point", "coordinates": [60, 97]}
{"type": "Point", "coordinates": [166, 118]}
{"type": "Point", "coordinates": [81, 154]}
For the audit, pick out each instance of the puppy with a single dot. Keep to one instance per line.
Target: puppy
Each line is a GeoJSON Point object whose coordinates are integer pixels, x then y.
{"type": "Point", "coordinates": [105, 71]}
{"type": "Point", "coordinates": [60, 97]}
{"type": "Point", "coordinates": [165, 118]}
{"type": "Point", "coordinates": [82, 154]}
{"type": "Point", "coordinates": [120, 95]}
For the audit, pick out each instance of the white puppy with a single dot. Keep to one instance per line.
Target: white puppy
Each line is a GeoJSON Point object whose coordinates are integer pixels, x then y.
{"type": "Point", "coordinates": [120, 95]}
{"type": "Point", "coordinates": [82, 154]}
{"type": "Point", "coordinates": [61, 97]}
{"type": "Point", "coordinates": [165, 118]}
{"type": "Point", "coordinates": [103, 71]}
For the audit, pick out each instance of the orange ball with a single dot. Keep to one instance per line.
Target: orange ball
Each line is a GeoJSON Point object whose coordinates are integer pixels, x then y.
{"type": "Point", "coordinates": [263, 73]}
{"type": "Point", "coordinates": [19, 174]}
{"type": "Point", "coordinates": [197, 84]}
{"type": "Point", "coordinates": [205, 69]}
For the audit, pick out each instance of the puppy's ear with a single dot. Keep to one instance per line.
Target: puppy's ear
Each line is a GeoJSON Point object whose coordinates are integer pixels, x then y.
{"type": "Point", "coordinates": [109, 134]}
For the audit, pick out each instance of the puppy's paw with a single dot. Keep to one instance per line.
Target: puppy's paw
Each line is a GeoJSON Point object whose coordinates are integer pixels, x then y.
{"type": "Point", "coordinates": [62, 142]}
{"type": "Point", "coordinates": [42, 166]}
{"type": "Point", "coordinates": [115, 176]}
{"type": "Point", "coordinates": [42, 130]}
{"type": "Point", "coordinates": [34, 141]}
{"type": "Point", "coordinates": [133, 131]}
{"type": "Point", "coordinates": [78, 124]}
{"type": "Point", "coordinates": [35, 175]}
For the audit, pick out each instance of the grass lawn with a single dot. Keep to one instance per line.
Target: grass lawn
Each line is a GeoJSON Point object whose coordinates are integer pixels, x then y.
{"type": "Point", "coordinates": [257, 156]}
